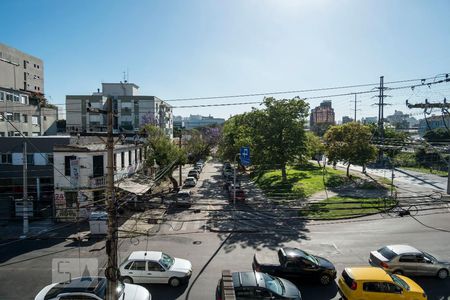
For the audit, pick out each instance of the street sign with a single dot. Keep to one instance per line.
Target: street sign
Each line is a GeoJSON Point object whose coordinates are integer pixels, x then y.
{"type": "Point", "coordinates": [245, 156]}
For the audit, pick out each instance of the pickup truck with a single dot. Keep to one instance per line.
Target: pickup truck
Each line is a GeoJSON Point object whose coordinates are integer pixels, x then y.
{"type": "Point", "coordinates": [296, 265]}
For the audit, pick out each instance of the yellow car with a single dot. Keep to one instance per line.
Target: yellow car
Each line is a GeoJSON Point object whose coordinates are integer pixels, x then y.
{"type": "Point", "coordinates": [369, 283]}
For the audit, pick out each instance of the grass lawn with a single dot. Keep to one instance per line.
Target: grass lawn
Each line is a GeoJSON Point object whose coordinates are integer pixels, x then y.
{"type": "Point", "coordinates": [426, 171]}
{"type": "Point", "coordinates": [344, 207]}
{"type": "Point", "coordinates": [302, 181]}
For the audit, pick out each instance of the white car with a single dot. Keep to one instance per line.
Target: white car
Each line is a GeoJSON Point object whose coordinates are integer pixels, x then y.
{"type": "Point", "coordinates": [155, 267]}
{"type": "Point", "coordinates": [190, 182]}
{"type": "Point", "coordinates": [91, 288]}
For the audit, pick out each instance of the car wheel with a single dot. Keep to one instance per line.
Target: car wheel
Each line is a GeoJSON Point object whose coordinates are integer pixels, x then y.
{"type": "Point", "coordinates": [398, 272]}
{"type": "Point", "coordinates": [442, 274]}
{"type": "Point", "coordinates": [127, 280]}
{"type": "Point", "coordinates": [174, 282]}
{"type": "Point", "coordinates": [325, 279]}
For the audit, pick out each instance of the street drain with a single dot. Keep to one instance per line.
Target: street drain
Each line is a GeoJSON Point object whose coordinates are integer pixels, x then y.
{"type": "Point", "coordinates": [196, 242]}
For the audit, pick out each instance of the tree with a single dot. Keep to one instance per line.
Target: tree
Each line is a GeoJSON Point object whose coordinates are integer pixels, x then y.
{"type": "Point", "coordinates": [437, 135]}
{"type": "Point", "coordinates": [281, 131]}
{"type": "Point", "coordinates": [162, 151]}
{"type": "Point", "coordinates": [315, 147]}
{"type": "Point", "coordinates": [350, 143]}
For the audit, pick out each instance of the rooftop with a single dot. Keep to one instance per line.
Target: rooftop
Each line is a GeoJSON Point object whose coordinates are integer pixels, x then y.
{"type": "Point", "coordinates": [368, 273]}
{"type": "Point", "coordinates": [147, 255]}
{"type": "Point", "coordinates": [401, 249]}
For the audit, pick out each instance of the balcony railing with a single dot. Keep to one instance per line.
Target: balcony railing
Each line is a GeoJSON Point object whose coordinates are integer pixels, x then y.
{"type": "Point", "coordinates": [96, 182]}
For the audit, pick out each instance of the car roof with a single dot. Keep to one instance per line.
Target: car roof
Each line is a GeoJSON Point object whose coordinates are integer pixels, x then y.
{"type": "Point", "coordinates": [248, 279]}
{"type": "Point", "coordinates": [294, 252]}
{"type": "Point", "coordinates": [93, 284]}
{"type": "Point", "coordinates": [145, 255]}
{"type": "Point", "coordinates": [368, 273]}
{"type": "Point", "coordinates": [190, 178]}
{"type": "Point", "coordinates": [402, 249]}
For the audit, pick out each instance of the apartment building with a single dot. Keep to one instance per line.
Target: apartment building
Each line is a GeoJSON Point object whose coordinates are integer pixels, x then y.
{"type": "Point", "coordinates": [196, 121]}
{"type": "Point", "coordinates": [132, 110]}
{"type": "Point", "coordinates": [322, 117]}
{"type": "Point", "coordinates": [39, 174]}
{"type": "Point", "coordinates": [23, 109]}
{"type": "Point", "coordinates": [80, 173]}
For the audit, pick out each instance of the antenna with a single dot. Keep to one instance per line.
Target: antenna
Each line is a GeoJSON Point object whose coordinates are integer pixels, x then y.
{"type": "Point", "coordinates": [124, 77]}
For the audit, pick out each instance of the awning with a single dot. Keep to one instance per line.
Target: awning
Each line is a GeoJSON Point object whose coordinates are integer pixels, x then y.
{"type": "Point", "coordinates": [137, 184]}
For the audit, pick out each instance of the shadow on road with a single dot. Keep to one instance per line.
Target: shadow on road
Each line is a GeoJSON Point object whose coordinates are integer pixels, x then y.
{"type": "Point", "coordinates": [164, 291]}
{"type": "Point", "coordinates": [435, 288]}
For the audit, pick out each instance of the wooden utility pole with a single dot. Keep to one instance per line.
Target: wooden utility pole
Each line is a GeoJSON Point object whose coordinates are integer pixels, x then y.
{"type": "Point", "coordinates": [112, 271]}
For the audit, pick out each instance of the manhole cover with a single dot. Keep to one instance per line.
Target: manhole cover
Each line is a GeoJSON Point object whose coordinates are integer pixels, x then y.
{"type": "Point", "coordinates": [196, 242]}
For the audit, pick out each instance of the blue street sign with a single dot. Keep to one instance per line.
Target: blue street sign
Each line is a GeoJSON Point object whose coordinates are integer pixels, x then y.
{"type": "Point", "coordinates": [245, 156]}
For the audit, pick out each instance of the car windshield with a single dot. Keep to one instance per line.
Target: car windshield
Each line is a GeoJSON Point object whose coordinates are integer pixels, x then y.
{"type": "Point", "coordinates": [400, 282]}
{"type": "Point", "coordinates": [431, 257]}
{"type": "Point", "coordinates": [274, 284]}
{"type": "Point", "coordinates": [311, 258]}
{"type": "Point", "coordinates": [166, 260]}
{"type": "Point", "coordinates": [388, 253]}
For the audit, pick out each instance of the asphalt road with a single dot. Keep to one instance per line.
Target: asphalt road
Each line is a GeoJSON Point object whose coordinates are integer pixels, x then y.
{"type": "Point", "coordinates": [26, 266]}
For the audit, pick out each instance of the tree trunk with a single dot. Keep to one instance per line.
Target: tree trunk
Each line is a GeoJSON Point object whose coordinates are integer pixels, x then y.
{"type": "Point", "coordinates": [174, 182]}
{"type": "Point", "coordinates": [348, 170]}
{"type": "Point", "coordinates": [283, 172]}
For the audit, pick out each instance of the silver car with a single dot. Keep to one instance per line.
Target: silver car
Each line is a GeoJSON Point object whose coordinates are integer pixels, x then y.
{"type": "Point", "coordinates": [407, 260]}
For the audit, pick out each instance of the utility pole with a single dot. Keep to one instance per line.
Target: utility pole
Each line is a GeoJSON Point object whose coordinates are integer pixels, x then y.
{"type": "Point", "coordinates": [427, 107]}
{"type": "Point", "coordinates": [112, 270]}
{"type": "Point", "coordinates": [381, 105]}
{"type": "Point", "coordinates": [25, 189]}
{"type": "Point", "coordinates": [179, 145]}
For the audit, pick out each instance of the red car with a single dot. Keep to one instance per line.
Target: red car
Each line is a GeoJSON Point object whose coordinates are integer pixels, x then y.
{"type": "Point", "coordinates": [240, 195]}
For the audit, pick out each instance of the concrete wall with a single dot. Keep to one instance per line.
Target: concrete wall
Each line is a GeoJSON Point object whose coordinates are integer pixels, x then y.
{"type": "Point", "coordinates": [19, 70]}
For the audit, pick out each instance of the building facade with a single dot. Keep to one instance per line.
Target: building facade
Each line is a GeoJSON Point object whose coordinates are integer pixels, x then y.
{"type": "Point", "coordinates": [132, 111]}
{"type": "Point", "coordinates": [23, 109]}
{"type": "Point", "coordinates": [196, 121]}
{"type": "Point", "coordinates": [322, 117]}
{"type": "Point", "coordinates": [402, 121]}
{"type": "Point", "coordinates": [433, 122]}
{"type": "Point", "coordinates": [346, 119]}
{"type": "Point", "coordinates": [80, 173]}
{"type": "Point", "coordinates": [39, 175]}
{"type": "Point", "coordinates": [369, 120]}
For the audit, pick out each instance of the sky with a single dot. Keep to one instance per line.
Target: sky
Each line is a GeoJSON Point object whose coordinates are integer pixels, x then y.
{"type": "Point", "coordinates": [203, 48]}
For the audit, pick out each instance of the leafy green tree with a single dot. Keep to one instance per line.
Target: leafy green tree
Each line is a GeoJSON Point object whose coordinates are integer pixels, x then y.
{"type": "Point", "coordinates": [162, 151]}
{"type": "Point", "coordinates": [437, 135]}
{"type": "Point", "coordinates": [315, 147]}
{"type": "Point", "coordinates": [350, 143]}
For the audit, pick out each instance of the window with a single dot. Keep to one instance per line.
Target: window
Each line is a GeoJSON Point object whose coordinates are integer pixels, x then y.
{"type": "Point", "coordinates": [2, 96]}
{"type": "Point", "coordinates": [34, 120]}
{"type": "Point", "coordinates": [16, 98]}
{"type": "Point", "coordinates": [50, 158]}
{"type": "Point", "coordinates": [45, 118]}
{"type": "Point", "coordinates": [9, 97]}
{"type": "Point", "coordinates": [9, 116]}
{"type": "Point", "coordinates": [35, 134]}
{"type": "Point", "coordinates": [17, 133]}
{"type": "Point", "coordinates": [67, 160]}
{"type": "Point", "coordinates": [135, 155]}
{"type": "Point", "coordinates": [154, 266]}
{"type": "Point", "coordinates": [408, 259]}
{"type": "Point", "coordinates": [24, 64]}
{"type": "Point", "coordinates": [115, 162]}
{"type": "Point", "coordinates": [30, 159]}
{"type": "Point", "coordinates": [381, 287]}
{"type": "Point", "coordinates": [97, 166]}
{"type": "Point", "coordinates": [138, 265]}
{"type": "Point", "coordinates": [140, 154]}
{"type": "Point", "coordinates": [25, 133]}
{"type": "Point", "coordinates": [128, 265]}
{"type": "Point", "coordinates": [2, 133]}
{"type": "Point", "coordinates": [6, 158]}
{"type": "Point", "coordinates": [24, 99]}
{"type": "Point", "coordinates": [122, 160]}
{"type": "Point", "coordinates": [24, 75]}
{"type": "Point", "coordinates": [25, 118]}
{"type": "Point", "coordinates": [16, 117]}
{"type": "Point", "coordinates": [129, 158]}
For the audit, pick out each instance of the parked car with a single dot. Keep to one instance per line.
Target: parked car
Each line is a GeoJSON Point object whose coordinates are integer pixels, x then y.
{"type": "Point", "coordinates": [200, 164]}
{"type": "Point", "coordinates": [198, 169]}
{"type": "Point", "coordinates": [190, 182]}
{"type": "Point", "coordinates": [155, 267]}
{"type": "Point", "coordinates": [184, 198]}
{"type": "Point", "coordinates": [404, 259]}
{"type": "Point", "coordinates": [376, 283]}
{"type": "Point", "coordinates": [240, 195]}
{"type": "Point", "coordinates": [256, 285]}
{"type": "Point", "coordinates": [295, 264]}
{"type": "Point", "coordinates": [194, 173]}
{"type": "Point", "coordinates": [91, 288]}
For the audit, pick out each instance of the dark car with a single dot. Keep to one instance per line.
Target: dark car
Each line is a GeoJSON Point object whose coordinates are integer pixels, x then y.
{"type": "Point", "coordinates": [194, 173]}
{"type": "Point", "coordinates": [296, 265]}
{"type": "Point", "coordinates": [256, 285]}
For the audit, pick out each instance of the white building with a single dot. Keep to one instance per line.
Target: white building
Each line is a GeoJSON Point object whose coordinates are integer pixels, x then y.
{"type": "Point", "coordinates": [132, 111]}
{"type": "Point", "coordinates": [197, 121]}
{"type": "Point", "coordinates": [89, 161]}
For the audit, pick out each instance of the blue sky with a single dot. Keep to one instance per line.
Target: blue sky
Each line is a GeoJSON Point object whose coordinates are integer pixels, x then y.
{"type": "Point", "coordinates": [179, 49]}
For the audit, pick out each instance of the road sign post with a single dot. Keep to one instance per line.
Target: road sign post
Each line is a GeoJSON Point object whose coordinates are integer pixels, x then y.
{"type": "Point", "coordinates": [245, 156]}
